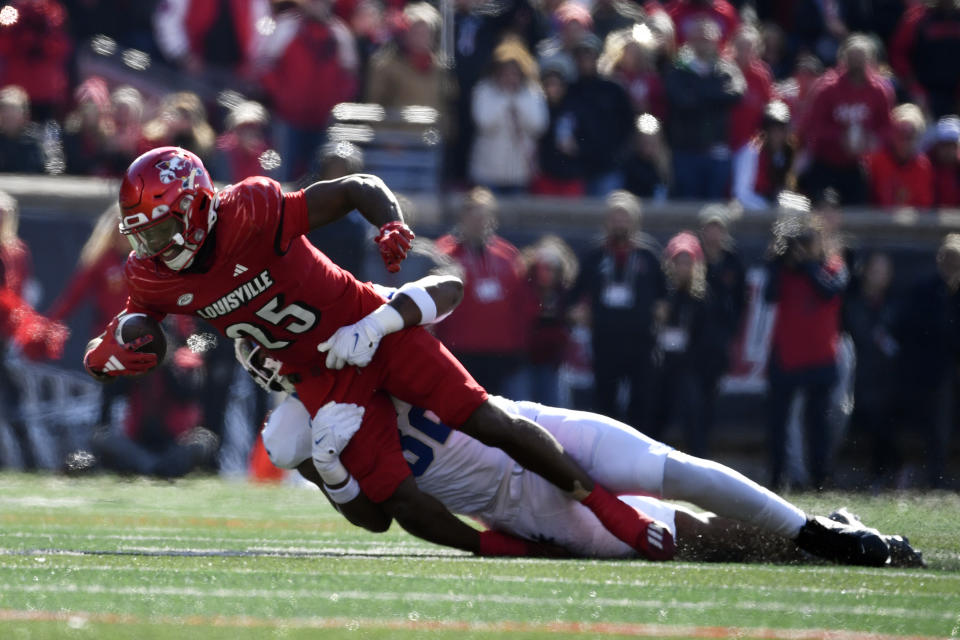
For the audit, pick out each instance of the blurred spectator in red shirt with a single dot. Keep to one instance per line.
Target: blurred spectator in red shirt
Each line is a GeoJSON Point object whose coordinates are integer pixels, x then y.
{"type": "Point", "coordinates": [900, 175]}
{"type": "Point", "coordinates": [183, 123]}
{"type": "Point", "coordinates": [200, 34]}
{"type": "Point", "coordinates": [629, 58]}
{"type": "Point", "coordinates": [309, 64]}
{"type": "Point", "coordinates": [923, 52]}
{"type": "Point", "coordinates": [127, 141]}
{"type": "Point", "coordinates": [88, 130]}
{"type": "Point", "coordinates": [490, 332]}
{"type": "Point", "coordinates": [944, 156]}
{"type": "Point", "coordinates": [99, 281]}
{"type": "Point", "coordinates": [21, 148]}
{"type": "Point", "coordinates": [552, 270]}
{"type": "Point", "coordinates": [747, 114]}
{"type": "Point", "coordinates": [849, 117]}
{"type": "Point", "coordinates": [764, 167]}
{"type": "Point", "coordinates": [807, 284]}
{"type": "Point", "coordinates": [702, 89]}
{"type": "Point", "coordinates": [243, 150]}
{"type": "Point", "coordinates": [646, 171]}
{"type": "Point", "coordinates": [510, 113]}
{"type": "Point", "coordinates": [798, 88]}
{"type": "Point", "coordinates": [35, 48]}
{"type": "Point", "coordinates": [408, 71]}
{"type": "Point", "coordinates": [686, 13]}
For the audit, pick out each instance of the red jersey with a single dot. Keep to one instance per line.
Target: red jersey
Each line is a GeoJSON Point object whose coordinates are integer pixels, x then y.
{"type": "Point", "coordinates": [685, 15]}
{"type": "Point", "coordinates": [946, 184]}
{"type": "Point", "coordinates": [267, 281]}
{"type": "Point", "coordinates": [840, 109]}
{"type": "Point", "coordinates": [900, 184]}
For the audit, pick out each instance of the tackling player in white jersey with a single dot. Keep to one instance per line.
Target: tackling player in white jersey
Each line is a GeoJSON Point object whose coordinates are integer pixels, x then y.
{"type": "Point", "coordinates": [470, 478]}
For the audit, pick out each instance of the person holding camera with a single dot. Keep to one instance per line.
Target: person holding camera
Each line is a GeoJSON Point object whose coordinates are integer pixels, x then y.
{"type": "Point", "coordinates": [807, 283]}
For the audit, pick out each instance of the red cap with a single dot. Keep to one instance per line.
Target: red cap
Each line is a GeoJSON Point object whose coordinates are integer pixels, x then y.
{"type": "Point", "coordinates": [684, 242]}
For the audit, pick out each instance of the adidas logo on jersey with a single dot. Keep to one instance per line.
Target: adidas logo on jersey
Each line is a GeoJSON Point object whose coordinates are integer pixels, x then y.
{"type": "Point", "coordinates": [113, 364]}
{"type": "Point", "coordinates": [238, 270]}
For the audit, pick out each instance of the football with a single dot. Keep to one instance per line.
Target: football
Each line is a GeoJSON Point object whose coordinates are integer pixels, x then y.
{"type": "Point", "coordinates": [135, 325]}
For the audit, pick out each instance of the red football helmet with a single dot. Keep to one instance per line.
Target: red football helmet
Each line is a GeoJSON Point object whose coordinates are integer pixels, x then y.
{"type": "Point", "coordinates": [166, 200]}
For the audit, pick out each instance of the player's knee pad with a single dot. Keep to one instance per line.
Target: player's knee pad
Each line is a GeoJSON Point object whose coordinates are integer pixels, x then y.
{"type": "Point", "coordinates": [286, 436]}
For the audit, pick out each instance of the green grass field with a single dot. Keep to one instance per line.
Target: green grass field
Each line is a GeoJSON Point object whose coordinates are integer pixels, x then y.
{"type": "Point", "coordinates": [100, 558]}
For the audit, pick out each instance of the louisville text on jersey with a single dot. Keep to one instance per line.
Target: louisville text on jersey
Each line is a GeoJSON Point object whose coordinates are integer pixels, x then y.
{"type": "Point", "coordinates": [241, 295]}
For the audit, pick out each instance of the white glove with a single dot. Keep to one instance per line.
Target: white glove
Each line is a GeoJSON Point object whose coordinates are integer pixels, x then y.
{"type": "Point", "coordinates": [330, 430]}
{"type": "Point", "coordinates": [356, 343]}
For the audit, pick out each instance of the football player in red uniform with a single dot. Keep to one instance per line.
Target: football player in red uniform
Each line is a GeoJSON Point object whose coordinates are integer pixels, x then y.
{"type": "Point", "coordinates": [239, 259]}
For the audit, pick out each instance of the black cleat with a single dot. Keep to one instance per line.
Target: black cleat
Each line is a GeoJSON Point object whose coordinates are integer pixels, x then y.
{"type": "Point", "coordinates": [843, 543]}
{"type": "Point", "coordinates": [901, 553]}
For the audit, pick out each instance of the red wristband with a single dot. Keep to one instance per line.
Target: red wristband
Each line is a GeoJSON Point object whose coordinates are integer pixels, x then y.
{"type": "Point", "coordinates": [495, 543]}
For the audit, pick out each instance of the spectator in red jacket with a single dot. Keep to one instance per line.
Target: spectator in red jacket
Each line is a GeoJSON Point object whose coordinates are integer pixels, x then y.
{"type": "Point", "coordinates": [944, 156]}
{"type": "Point", "coordinates": [923, 52]}
{"type": "Point", "coordinates": [198, 35]}
{"type": "Point", "coordinates": [98, 281]}
{"type": "Point", "coordinates": [35, 49]}
{"type": "Point", "coordinates": [747, 114]}
{"type": "Point", "coordinates": [686, 13]}
{"type": "Point", "coordinates": [807, 285]}
{"type": "Point", "coordinates": [310, 65]}
{"type": "Point", "coordinates": [849, 117]}
{"type": "Point", "coordinates": [552, 270]}
{"type": "Point", "coordinates": [901, 176]}
{"type": "Point", "coordinates": [490, 331]}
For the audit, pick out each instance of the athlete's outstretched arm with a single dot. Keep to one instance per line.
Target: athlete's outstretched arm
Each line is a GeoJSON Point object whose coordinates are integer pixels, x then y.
{"type": "Point", "coordinates": [330, 200]}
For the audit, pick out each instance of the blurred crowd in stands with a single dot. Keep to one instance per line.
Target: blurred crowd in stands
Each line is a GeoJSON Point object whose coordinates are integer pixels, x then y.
{"type": "Point", "coordinates": [800, 106]}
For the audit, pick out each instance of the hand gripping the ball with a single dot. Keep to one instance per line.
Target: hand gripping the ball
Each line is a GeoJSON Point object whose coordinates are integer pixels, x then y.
{"type": "Point", "coordinates": [110, 358]}
{"type": "Point", "coordinates": [330, 430]}
{"type": "Point", "coordinates": [394, 242]}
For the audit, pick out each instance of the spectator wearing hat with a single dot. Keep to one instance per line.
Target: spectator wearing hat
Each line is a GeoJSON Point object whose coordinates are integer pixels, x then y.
{"type": "Point", "coordinates": [927, 37]}
{"type": "Point", "coordinates": [241, 151]}
{"type": "Point", "coordinates": [807, 285]}
{"type": "Point", "coordinates": [944, 156]}
{"type": "Point", "coordinates": [621, 294]}
{"type": "Point", "coordinates": [510, 114]}
{"type": "Point", "coordinates": [900, 175]}
{"type": "Point", "coordinates": [702, 88]}
{"type": "Point", "coordinates": [848, 117]}
{"type": "Point", "coordinates": [21, 149]}
{"type": "Point", "coordinates": [681, 385]}
{"type": "Point", "coordinates": [36, 48]}
{"type": "Point", "coordinates": [764, 167]}
{"type": "Point", "coordinates": [490, 332]}
{"type": "Point", "coordinates": [559, 167]}
{"type": "Point", "coordinates": [603, 121]}
{"type": "Point", "coordinates": [646, 171]}
{"type": "Point", "coordinates": [573, 24]}
{"type": "Point", "coordinates": [726, 284]}
{"type": "Point", "coordinates": [88, 129]}
{"type": "Point", "coordinates": [746, 116]}
{"type": "Point", "coordinates": [687, 13]}
{"type": "Point", "coordinates": [630, 58]}
{"type": "Point", "coordinates": [306, 65]}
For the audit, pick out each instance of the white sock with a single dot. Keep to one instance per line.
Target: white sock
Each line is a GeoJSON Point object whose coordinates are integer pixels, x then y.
{"type": "Point", "coordinates": [729, 494]}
